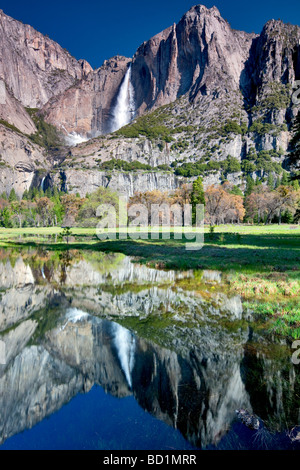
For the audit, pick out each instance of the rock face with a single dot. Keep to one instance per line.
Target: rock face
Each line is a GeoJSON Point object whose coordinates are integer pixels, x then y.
{"type": "Point", "coordinates": [19, 160]}
{"type": "Point", "coordinates": [201, 55]}
{"type": "Point", "coordinates": [205, 74]}
{"type": "Point", "coordinates": [125, 184]}
{"type": "Point", "coordinates": [274, 57]}
{"type": "Point", "coordinates": [86, 108]}
{"type": "Point", "coordinates": [13, 112]}
{"type": "Point", "coordinates": [194, 78]}
{"type": "Point", "coordinates": [34, 67]}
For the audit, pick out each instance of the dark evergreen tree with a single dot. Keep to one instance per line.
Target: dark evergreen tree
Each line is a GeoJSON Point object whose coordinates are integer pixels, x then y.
{"type": "Point", "coordinates": [249, 185]}
{"type": "Point", "coordinates": [12, 196]}
{"type": "Point", "coordinates": [197, 197]}
{"type": "Point", "coordinates": [284, 179]}
{"type": "Point", "coordinates": [271, 182]}
{"type": "Point", "coordinates": [295, 146]}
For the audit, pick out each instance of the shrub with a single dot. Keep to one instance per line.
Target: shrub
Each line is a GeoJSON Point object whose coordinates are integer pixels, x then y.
{"type": "Point", "coordinates": [116, 164]}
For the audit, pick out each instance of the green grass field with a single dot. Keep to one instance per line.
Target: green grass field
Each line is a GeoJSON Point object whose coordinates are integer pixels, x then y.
{"type": "Point", "coordinates": [229, 247]}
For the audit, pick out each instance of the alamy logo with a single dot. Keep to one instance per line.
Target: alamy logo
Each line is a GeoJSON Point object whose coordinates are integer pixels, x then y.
{"type": "Point", "coordinates": [139, 220]}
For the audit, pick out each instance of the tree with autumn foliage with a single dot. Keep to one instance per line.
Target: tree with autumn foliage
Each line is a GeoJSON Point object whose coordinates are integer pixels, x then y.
{"type": "Point", "coordinates": [150, 198]}
{"type": "Point", "coordinates": [182, 195]}
{"type": "Point", "coordinates": [71, 206]}
{"type": "Point", "coordinates": [264, 205]}
{"type": "Point", "coordinates": [222, 206]}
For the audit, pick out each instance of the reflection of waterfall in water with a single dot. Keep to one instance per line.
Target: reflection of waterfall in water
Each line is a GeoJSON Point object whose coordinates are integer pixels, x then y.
{"type": "Point", "coordinates": [125, 345]}
{"type": "Point", "coordinates": [43, 184]}
{"type": "Point", "coordinates": [124, 109]}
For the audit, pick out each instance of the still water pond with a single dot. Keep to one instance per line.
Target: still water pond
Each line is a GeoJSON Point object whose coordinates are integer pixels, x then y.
{"type": "Point", "coordinates": [104, 353]}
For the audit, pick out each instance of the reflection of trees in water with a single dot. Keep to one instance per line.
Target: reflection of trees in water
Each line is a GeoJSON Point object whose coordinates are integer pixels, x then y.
{"type": "Point", "coordinates": [66, 260]}
{"type": "Point", "coordinates": [273, 384]}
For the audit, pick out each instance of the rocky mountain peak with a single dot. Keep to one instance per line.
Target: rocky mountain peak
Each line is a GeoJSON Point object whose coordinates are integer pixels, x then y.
{"type": "Point", "coordinates": [201, 10]}
{"type": "Point", "coordinates": [226, 91]}
{"type": "Point", "coordinates": [34, 67]}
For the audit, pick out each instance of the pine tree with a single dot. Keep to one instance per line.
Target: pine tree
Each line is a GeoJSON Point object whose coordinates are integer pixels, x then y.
{"type": "Point", "coordinates": [295, 145]}
{"type": "Point", "coordinates": [55, 192]}
{"type": "Point", "coordinates": [249, 185]}
{"type": "Point", "coordinates": [271, 182]}
{"type": "Point", "coordinates": [284, 179]}
{"type": "Point", "coordinates": [48, 192]}
{"type": "Point", "coordinates": [12, 196]}
{"type": "Point", "coordinates": [25, 195]}
{"type": "Point", "coordinates": [277, 184]}
{"type": "Point", "coordinates": [35, 193]}
{"type": "Point", "coordinates": [5, 218]}
{"type": "Point", "coordinates": [197, 197]}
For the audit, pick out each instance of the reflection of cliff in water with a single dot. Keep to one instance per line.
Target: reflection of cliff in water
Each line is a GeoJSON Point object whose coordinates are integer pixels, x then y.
{"type": "Point", "coordinates": [183, 364]}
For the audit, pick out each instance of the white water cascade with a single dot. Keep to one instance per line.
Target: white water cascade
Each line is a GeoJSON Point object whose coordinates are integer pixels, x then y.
{"type": "Point", "coordinates": [74, 139]}
{"type": "Point", "coordinates": [124, 110]}
{"type": "Point", "coordinates": [125, 345]}
{"type": "Point", "coordinates": [42, 183]}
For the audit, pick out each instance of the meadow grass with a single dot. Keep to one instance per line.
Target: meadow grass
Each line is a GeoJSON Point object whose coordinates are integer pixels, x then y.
{"type": "Point", "coordinates": [271, 248]}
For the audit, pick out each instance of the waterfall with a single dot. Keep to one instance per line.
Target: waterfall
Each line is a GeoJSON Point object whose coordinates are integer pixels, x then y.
{"type": "Point", "coordinates": [125, 345]}
{"type": "Point", "coordinates": [42, 183]}
{"type": "Point", "coordinates": [124, 110]}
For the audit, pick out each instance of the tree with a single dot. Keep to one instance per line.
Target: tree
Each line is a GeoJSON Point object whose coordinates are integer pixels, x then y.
{"type": "Point", "coordinates": [271, 182]}
{"type": "Point", "coordinates": [284, 179]}
{"type": "Point", "coordinates": [45, 211]}
{"type": "Point", "coordinates": [295, 145]}
{"type": "Point", "coordinates": [249, 185]}
{"type": "Point", "coordinates": [87, 208]}
{"type": "Point", "coordinates": [5, 217]}
{"type": "Point", "coordinates": [236, 190]}
{"type": "Point", "coordinates": [65, 235]}
{"type": "Point", "coordinates": [12, 196]}
{"type": "Point", "coordinates": [150, 198]}
{"type": "Point", "coordinates": [222, 206]}
{"type": "Point", "coordinates": [282, 199]}
{"type": "Point", "coordinates": [231, 165]}
{"type": "Point", "coordinates": [256, 204]}
{"type": "Point", "coordinates": [197, 197]}
{"type": "Point", "coordinates": [71, 206]}
{"type": "Point", "coordinates": [182, 195]}
{"type": "Point", "coordinates": [18, 210]}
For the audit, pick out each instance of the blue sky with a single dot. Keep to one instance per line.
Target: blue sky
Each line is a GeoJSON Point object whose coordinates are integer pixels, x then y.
{"type": "Point", "coordinates": [96, 30]}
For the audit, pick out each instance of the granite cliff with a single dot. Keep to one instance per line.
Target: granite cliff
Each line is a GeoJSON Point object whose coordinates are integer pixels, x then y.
{"type": "Point", "coordinates": [202, 93]}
